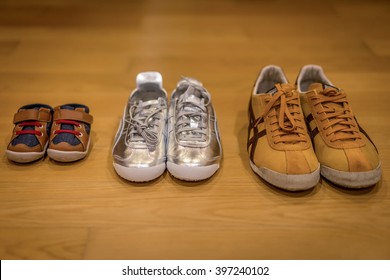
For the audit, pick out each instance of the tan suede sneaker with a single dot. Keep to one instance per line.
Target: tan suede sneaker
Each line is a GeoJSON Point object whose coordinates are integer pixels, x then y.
{"type": "Point", "coordinates": [347, 155]}
{"type": "Point", "coordinates": [279, 146]}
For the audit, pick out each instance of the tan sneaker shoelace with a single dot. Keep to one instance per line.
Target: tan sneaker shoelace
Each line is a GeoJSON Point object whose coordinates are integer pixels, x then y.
{"type": "Point", "coordinates": [283, 108]}
{"type": "Point", "coordinates": [336, 116]}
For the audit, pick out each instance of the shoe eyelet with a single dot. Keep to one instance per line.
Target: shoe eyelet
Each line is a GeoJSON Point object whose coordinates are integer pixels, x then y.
{"type": "Point", "coordinates": [40, 135]}
{"type": "Point", "coordinates": [80, 134]}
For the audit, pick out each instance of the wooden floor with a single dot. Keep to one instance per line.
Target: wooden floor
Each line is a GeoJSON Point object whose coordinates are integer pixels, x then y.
{"type": "Point", "coordinates": [89, 52]}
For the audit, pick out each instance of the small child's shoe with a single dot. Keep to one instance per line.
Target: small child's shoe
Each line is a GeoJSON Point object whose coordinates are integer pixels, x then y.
{"type": "Point", "coordinates": [70, 133]}
{"type": "Point", "coordinates": [31, 133]}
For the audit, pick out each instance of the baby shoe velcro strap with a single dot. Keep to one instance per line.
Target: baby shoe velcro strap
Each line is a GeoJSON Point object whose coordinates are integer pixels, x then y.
{"type": "Point", "coordinates": [42, 115]}
{"type": "Point", "coordinates": [65, 114]}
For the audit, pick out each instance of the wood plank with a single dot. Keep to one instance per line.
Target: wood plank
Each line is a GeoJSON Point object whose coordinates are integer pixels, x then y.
{"type": "Point", "coordinates": [42, 243]}
{"type": "Point", "coordinates": [302, 243]}
{"type": "Point", "coordinates": [8, 46]}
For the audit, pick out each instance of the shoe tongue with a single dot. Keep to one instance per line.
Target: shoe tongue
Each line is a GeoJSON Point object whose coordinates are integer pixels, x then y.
{"type": "Point", "coordinates": [194, 96]}
{"type": "Point", "coordinates": [286, 87]}
{"type": "Point", "coordinates": [188, 81]}
{"type": "Point", "coordinates": [67, 107]}
{"type": "Point", "coordinates": [150, 102]}
{"type": "Point", "coordinates": [75, 108]}
{"type": "Point", "coordinates": [148, 107]}
{"type": "Point", "coordinates": [320, 87]}
{"type": "Point", "coordinates": [317, 86]}
{"type": "Point", "coordinates": [194, 91]}
{"type": "Point", "coordinates": [272, 91]}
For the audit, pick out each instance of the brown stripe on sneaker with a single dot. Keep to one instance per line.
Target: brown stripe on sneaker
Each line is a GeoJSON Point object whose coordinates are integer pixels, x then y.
{"type": "Point", "coordinates": [253, 142]}
{"type": "Point", "coordinates": [261, 134]}
{"type": "Point", "coordinates": [252, 118]}
{"type": "Point", "coordinates": [309, 118]}
{"type": "Point", "coordinates": [253, 123]}
{"type": "Point", "coordinates": [258, 136]}
{"type": "Point", "coordinates": [250, 126]}
{"type": "Point", "coordinates": [314, 132]}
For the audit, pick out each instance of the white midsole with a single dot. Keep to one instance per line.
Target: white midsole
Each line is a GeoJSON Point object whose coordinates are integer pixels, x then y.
{"type": "Point", "coordinates": [191, 173]}
{"type": "Point", "coordinates": [140, 174]}
{"type": "Point", "coordinates": [352, 179]}
{"type": "Point", "coordinates": [290, 182]}
{"type": "Point", "coordinates": [25, 157]}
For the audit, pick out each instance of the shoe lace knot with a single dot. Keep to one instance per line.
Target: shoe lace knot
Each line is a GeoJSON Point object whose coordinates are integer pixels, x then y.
{"type": "Point", "coordinates": [336, 115]}
{"type": "Point", "coordinates": [283, 109]}
{"type": "Point", "coordinates": [144, 123]}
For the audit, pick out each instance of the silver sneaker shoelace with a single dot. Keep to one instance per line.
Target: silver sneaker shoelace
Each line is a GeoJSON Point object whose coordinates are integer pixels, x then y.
{"type": "Point", "coordinates": [191, 115]}
{"type": "Point", "coordinates": [144, 123]}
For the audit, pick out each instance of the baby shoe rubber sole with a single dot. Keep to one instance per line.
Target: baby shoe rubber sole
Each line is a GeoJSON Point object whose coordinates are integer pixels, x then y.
{"type": "Point", "coordinates": [67, 156]}
{"type": "Point", "coordinates": [70, 133]}
{"type": "Point", "coordinates": [30, 135]}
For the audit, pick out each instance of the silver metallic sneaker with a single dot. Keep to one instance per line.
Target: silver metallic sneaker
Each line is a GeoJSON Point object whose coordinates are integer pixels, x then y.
{"type": "Point", "coordinates": [194, 146]}
{"type": "Point", "coordinates": [139, 148]}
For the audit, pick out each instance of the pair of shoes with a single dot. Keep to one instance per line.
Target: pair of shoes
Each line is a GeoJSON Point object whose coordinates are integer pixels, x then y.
{"type": "Point", "coordinates": [63, 131]}
{"type": "Point", "coordinates": [184, 138]}
{"type": "Point", "coordinates": [297, 132]}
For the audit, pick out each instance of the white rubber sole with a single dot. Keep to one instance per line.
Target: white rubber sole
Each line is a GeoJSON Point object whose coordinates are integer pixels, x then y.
{"type": "Point", "coordinates": [62, 156]}
{"type": "Point", "coordinates": [288, 182]}
{"type": "Point", "coordinates": [191, 173]}
{"type": "Point", "coordinates": [139, 174]}
{"type": "Point", "coordinates": [353, 180]}
{"type": "Point", "coordinates": [67, 156]}
{"type": "Point", "coordinates": [24, 157]}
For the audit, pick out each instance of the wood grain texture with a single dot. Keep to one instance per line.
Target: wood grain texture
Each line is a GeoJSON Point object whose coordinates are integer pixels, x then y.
{"type": "Point", "coordinates": [89, 52]}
